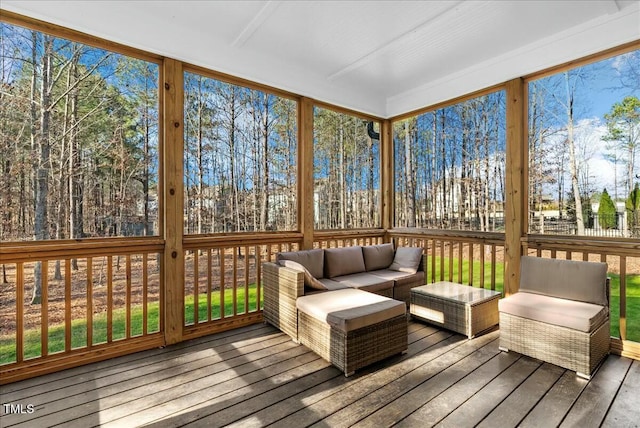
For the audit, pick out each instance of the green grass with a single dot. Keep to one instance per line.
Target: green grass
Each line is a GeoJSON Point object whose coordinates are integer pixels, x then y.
{"type": "Point", "coordinates": [32, 343]}
{"type": "Point", "coordinates": [32, 346]}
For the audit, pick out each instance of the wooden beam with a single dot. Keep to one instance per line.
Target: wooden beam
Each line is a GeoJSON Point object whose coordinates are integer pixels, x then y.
{"type": "Point", "coordinates": [515, 213]}
{"type": "Point", "coordinates": [305, 172]}
{"type": "Point", "coordinates": [386, 176]}
{"type": "Point", "coordinates": [173, 151]}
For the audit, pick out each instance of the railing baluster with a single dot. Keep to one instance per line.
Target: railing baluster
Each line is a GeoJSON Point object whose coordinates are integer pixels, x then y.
{"type": "Point", "coordinates": [145, 293]}
{"type": "Point", "coordinates": [258, 259]}
{"type": "Point", "coordinates": [67, 305]}
{"type": "Point", "coordinates": [450, 261]}
{"type": "Point", "coordinates": [482, 250]}
{"type": "Point", "coordinates": [209, 283]}
{"type": "Point", "coordinates": [89, 301]}
{"type": "Point", "coordinates": [460, 264]}
{"type": "Point", "coordinates": [433, 260]}
{"type": "Point", "coordinates": [235, 281]}
{"type": "Point", "coordinates": [109, 299]}
{"type": "Point", "coordinates": [623, 297]}
{"type": "Point", "coordinates": [222, 256]}
{"type": "Point", "coordinates": [44, 304]}
{"type": "Point", "coordinates": [196, 282]}
{"type": "Point", "coordinates": [128, 296]}
{"type": "Point", "coordinates": [246, 280]}
{"type": "Point", "coordinates": [493, 267]}
{"type": "Point", "coordinates": [19, 312]}
{"type": "Point", "coordinates": [442, 260]}
{"type": "Point", "coordinates": [471, 263]}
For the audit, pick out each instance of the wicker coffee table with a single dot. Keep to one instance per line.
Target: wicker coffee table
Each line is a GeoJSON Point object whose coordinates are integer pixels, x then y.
{"type": "Point", "coordinates": [461, 308]}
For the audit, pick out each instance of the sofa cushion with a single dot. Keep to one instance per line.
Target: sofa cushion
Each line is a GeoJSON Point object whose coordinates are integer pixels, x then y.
{"type": "Point", "coordinates": [350, 309]}
{"type": "Point", "coordinates": [567, 279]}
{"type": "Point", "coordinates": [309, 280]}
{"type": "Point", "coordinates": [407, 259]}
{"type": "Point", "coordinates": [572, 314]}
{"type": "Point", "coordinates": [330, 284]}
{"type": "Point", "coordinates": [343, 261]}
{"type": "Point", "coordinates": [399, 278]}
{"type": "Point", "coordinates": [312, 260]}
{"type": "Point", "coordinates": [365, 281]}
{"type": "Point", "coordinates": [377, 256]}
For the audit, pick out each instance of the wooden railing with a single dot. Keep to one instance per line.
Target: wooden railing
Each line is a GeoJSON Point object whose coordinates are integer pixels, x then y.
{"type": "Point", "coordinates": [98, 298]}
{"type": "Point", "coordinates": [103, 298]}
{"type": "Point", "coordinates": [223, 287]}
{"type": "Point", "coordinates": [472, 258]}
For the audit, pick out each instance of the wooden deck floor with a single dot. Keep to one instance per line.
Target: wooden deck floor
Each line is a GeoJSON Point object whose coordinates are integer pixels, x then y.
{"type": "Point", "coordinates": [256, 376]}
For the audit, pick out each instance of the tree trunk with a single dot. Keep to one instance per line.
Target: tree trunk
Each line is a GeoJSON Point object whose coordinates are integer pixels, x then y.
{"type": "Point", "coordinates": [41, 220]}
{"type": "Point", "coordinates": [572, 158]}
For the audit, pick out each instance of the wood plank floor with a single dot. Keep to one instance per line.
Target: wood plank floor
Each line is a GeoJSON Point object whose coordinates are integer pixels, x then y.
{"type": "Point", "coordinates": [256, 376]}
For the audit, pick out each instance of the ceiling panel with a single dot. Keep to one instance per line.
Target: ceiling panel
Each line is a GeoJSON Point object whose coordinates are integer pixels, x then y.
{"type": "Point", "coordinates": [379, 57]}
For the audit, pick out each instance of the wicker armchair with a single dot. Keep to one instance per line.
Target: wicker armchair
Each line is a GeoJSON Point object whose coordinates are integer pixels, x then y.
{"type": "Point", "coordinates": [560, 314]}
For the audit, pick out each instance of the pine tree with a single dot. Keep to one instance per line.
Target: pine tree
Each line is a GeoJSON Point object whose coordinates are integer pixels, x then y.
{"type": "Point", "coordinates": [606, 211]}
{"type": "Point", "coordinates": [632, 206]}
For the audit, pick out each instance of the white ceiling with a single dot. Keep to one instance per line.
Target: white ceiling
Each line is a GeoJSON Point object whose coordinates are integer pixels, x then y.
{"type": "Point", "coordinates": [379, 57]}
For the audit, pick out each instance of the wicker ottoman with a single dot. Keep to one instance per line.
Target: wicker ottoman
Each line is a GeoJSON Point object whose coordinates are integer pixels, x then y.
{"type": "Point", "coordinates": [352, 328]}
{"type": "Point", "coordinates": [461, 308]}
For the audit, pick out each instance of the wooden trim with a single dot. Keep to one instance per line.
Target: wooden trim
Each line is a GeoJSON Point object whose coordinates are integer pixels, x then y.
{"type": "Point", "coordinates": [55, 250]}
{"type": "Point", "coordinates": [306, 208]}
{"type": "Point", "coordinates": [515, 203]}
{"type": "Point", "coordinates": [57, 362]}
{"type": "Point", "coordinates": [224, 324]}
{"type": "Point", "coordinates": [76, 36]}
{"type": "Point", "coordinates": [345, 110]}
{"type": "Point", "coordinates": [387, 174]}
{"type": "Point", "coordinates": [173, 151]}
{"type": "Point", "coordinates": [238, 81]}
{"type": "Point", "coordinates": [609, 246]}
{"type": "Point", "coordinates": [449, 103]}
{"type": "Point", "coordinates": [191, 242]}
{"type": "Point", "coordinates": [625, 348]}
{"type": "Point", "coordinates": [589, 59]}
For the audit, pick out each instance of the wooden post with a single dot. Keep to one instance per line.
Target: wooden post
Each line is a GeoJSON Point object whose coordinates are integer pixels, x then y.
{"type": "Point", "coordinates": [172, 179]}
{"type": "Point", "coordinates": [386, 176]}
{"type": "Point", "coordinates": [515, 212]}
{"type": "Point", "coordinates": [305, 172]}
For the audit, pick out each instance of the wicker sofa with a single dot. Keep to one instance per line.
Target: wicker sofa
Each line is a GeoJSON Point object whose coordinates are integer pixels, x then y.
{"type": "Point", "coordinates": [377, 269]}
{"type": "Point", "coordinates": [559, 315]}
{"type": "Point", "coordinates": [339, 302]}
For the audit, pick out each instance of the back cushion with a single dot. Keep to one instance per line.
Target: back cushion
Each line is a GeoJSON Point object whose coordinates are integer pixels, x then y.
{"type": "Point", "coordinates": [312, 260]}
{"type": "Point", "coordinates": [566, 279]}
{"type": "Point", "coordinates": [377, 256]}
{"type": "Point", "coordinates": [343, 261]}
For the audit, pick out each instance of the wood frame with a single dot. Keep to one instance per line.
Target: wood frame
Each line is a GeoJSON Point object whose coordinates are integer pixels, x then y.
{"type": "Point", "coordinates": [172, 243]}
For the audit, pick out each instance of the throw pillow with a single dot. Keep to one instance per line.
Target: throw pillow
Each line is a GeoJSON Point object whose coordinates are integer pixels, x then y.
{"type": "Point", "coordinates": [309, 280]}
{"type": "Point", "coordinates": [407, 259]}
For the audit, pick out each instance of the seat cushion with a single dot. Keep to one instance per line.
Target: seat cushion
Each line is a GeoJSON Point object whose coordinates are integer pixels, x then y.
{"type": "Point", "coordinates": [312, 260]}
{"type": "Point", "coordinates": [343, 261]}
{"type": "Point", "coordinates": [399, 278]}
{"type": "Point", "coordinates": [377, 256]}
{"type": "Point", "coordinates": [350, 309]}
{"type": "Point", "coordinates": [365, 281]}
{"type": "Point", "coordinates": [575, 315]}
{"type": "Point", "coordinates": [330, 284]}
{"type": "Point", "coordinates": [407, 259]}
{"type": "Point", "coordinates": [567, 279]}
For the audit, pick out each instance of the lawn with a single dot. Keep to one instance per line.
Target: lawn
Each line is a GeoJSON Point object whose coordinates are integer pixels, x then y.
{"type": "Point", "coordinates": [32, 344]}
{"type": "Point", "coordinates": [32, 347]}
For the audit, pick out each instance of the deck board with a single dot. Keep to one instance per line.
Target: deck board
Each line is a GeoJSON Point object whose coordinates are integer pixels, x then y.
{"type": "Point", "coordinates": [256, 376]}
{"type": "Point", "coordinates": [624, 410]}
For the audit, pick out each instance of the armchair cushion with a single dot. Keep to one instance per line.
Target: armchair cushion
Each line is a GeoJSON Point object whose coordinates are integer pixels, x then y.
{"type": "Point", "coordinates": [581, 316]}
{"type": "Point", "coordinates": [566, 279]}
